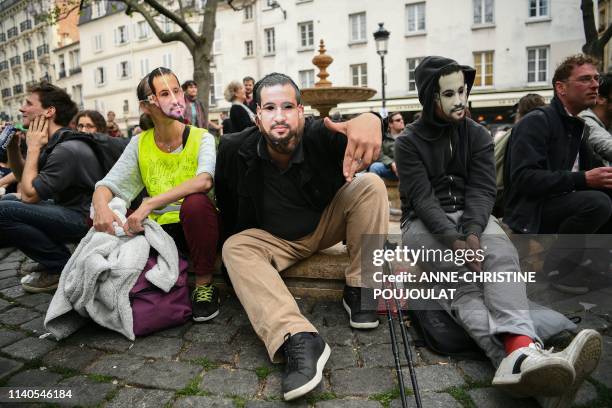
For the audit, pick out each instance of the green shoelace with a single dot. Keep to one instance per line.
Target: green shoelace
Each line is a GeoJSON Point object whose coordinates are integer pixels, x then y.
{"type": "Point", "coordinates": [203, 293]}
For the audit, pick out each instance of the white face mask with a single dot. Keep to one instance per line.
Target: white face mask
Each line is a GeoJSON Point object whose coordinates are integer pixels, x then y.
{"type": "Point", "coordinates": [452, 97]}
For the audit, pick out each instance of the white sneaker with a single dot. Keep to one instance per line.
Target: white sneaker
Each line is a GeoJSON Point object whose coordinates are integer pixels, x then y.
{"type": "Point", "coordinates": [583, 354]}
{"type": "Point", "coordinates": [531, 371]}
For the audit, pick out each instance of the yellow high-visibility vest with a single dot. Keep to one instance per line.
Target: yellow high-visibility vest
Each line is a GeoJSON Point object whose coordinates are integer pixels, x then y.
{"type": "Point", "coordinates": [161, 171]}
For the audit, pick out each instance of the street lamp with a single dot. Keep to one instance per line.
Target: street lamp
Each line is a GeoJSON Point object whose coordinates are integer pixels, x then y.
{"type": "Point", "coordinates": [381, 36]}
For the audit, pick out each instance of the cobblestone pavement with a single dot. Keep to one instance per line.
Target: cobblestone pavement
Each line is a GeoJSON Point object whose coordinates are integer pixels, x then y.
{"type": "Point", "coordinates": [223, 364]}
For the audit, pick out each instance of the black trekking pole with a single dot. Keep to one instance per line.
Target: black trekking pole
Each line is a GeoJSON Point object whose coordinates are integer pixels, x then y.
{"type": "Point", "coordinates": [407, 351]}
{"type": "Point", "coordinates": [396, 354]}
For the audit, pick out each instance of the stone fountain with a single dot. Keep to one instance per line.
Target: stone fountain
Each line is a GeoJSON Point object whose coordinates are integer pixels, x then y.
{"type": "Point", "coordinates": [324, 97]}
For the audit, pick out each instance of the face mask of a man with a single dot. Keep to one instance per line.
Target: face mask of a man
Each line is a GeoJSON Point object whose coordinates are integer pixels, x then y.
{"type": "Point", "coordinates": [452, 98]}
{"type": "Point", "coordinates": [170, 99]}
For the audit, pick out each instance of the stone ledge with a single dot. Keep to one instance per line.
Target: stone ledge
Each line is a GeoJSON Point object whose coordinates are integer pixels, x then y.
{"type": "Point", "coordinates": [320, 276]}
{"type": "Point", "coordinates": [393, 193]}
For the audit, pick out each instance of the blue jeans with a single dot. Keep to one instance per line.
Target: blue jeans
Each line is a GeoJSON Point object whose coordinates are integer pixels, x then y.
{"type": "Point", "coordinates": [382, 171]}
{"type": "Point", "coordinates": [40, 230]}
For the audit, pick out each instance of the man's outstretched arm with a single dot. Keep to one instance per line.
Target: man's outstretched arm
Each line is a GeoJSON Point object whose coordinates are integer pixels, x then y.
{"type": "Point", "coordinates": [364, 138]}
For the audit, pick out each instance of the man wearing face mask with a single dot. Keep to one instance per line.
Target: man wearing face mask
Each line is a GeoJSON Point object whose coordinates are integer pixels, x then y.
{"type": "Point", "coordinates": [175, 164]}
{"type": "Point", "coordinates": [286, 190]}
{"type": "Point", "coordinates": [447, 187]}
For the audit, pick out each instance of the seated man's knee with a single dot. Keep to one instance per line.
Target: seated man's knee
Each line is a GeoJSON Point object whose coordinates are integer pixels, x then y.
{"type": "Point", "coordinates": [373, 183]}
{"type": "Point", "coordinates": [598, 205]}
{"type": "Point", "coordinates": [231, 248]}
{"type": "Point", "coordinates": [8, 208]}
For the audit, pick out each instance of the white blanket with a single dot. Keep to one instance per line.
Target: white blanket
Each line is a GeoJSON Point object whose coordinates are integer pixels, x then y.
{"type": "Point", "coordinates": [96, 281]}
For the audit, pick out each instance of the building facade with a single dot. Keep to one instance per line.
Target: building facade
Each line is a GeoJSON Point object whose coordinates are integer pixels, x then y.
{"type": "Point", "coordinates": [514, 45]}
{"type": "Point", "coordinates": [67, 57]}
{"type": "Point", "coordinates": [26, 40]}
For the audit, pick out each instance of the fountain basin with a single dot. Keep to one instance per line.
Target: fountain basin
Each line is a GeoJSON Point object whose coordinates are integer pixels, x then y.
{"type": "Point", "coordinates": [323, 99]}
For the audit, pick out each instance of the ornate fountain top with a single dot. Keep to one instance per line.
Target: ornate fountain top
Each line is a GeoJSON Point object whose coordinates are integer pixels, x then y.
{"type": "Point", "coordinates": [323, 96]}
{"type": "Point", "coordinates": [322, 61]}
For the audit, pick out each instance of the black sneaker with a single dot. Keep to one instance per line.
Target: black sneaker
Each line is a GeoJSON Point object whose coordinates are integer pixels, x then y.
{"type": "Point", "coordinates": [352, 302]}
{"type": "Point", "coordinates": [306, 355]}
{"type": "Point", "coordinates": [205, 303]}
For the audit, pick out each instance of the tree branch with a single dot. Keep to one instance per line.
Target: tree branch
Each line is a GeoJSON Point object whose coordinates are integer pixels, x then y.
{"type": "Point", "coordinates": [210, 18]}
{"type": "Point", "coordinates": [588, 20]}
{"type": "Point", "coordinates": [605, 37]}
{"type": "Point", "coordinates": [66, 12]}
{"type": "Point", "coordinates": [172, 16]}
{"type": "Point", "coordinates": [180, 3]}
{"type": "Point", "coordinates": [244, 4]}
{"type": "Point", "coordinates": [163, 37]}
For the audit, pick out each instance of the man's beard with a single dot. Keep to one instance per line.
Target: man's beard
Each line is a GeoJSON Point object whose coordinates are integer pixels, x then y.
{"type": "Point", "coordinates": [282, 145]}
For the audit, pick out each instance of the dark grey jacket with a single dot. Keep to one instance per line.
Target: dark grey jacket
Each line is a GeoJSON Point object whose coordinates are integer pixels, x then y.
{"type": "Point", "coordinates": [538, 164]}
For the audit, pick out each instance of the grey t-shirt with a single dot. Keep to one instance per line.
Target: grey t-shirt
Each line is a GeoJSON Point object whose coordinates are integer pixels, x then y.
{"type": "Point", "coordinates": [69, 175]}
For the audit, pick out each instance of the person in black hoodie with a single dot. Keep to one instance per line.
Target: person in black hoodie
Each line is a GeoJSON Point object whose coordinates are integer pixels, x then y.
{"type": "Point", "coordinates": [447, 187]}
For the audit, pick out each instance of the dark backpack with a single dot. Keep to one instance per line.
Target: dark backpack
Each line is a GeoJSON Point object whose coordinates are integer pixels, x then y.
{"type": "Point", "coordinates": [106, 148]}
{"type": "Point", "coordinates": [439, 332]}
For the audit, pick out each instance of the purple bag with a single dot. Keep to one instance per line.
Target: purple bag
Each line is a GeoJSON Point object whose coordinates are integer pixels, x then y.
{"type": "Point", "coordinates": [153, 309]}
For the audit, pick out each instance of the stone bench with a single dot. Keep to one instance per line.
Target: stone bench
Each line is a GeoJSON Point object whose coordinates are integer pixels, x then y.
{"type": "Point", "coordinates": [320, 276]}
{"type": "Point", "coordinates": [393, 193]}
{"type": "Point", "coordinates": [395, 205]}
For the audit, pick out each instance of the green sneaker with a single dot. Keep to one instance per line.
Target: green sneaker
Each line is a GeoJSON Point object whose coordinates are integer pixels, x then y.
{"type": "Point", "coordinates": [205, 303]}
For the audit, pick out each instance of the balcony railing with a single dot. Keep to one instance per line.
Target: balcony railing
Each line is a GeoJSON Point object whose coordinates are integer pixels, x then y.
{"type": "Point", "coordinates": [17, 89]}
{"type": "Point", "coordinates": [42, 50]}
{"type": "Point", "coordinates": [15, 61]}
{"type": "Point", "coordinates": [74, 71]}
{"type": "Point", "coordinates": [12, 32]}
{"type": "Point", "coordinates": [28, 56]}
{"type": "Point", "coordinates": [6, 93]}
{"type": "Point", "coordinates": [4, 65]}
{"type": "Point", "coordinates": [25, 25]}
{"type": "Point", "coordinates": [62, 74]}
{"type": "Point", "coordinates": [2, 37]}
{"type": "Point", "coordinates": [30, 84]}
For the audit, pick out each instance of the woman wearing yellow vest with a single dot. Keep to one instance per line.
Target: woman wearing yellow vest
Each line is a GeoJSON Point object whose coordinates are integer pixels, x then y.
{"type": "Point", "coordinates": [175, 163]}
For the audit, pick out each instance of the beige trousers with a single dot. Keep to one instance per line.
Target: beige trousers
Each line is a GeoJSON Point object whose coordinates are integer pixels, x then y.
{"type": "Point", "coordinates": [255, 257]}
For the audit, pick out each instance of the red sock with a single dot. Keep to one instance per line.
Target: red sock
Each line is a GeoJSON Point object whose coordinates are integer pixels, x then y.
{"type": "Point", "coordinates": [515, 341]}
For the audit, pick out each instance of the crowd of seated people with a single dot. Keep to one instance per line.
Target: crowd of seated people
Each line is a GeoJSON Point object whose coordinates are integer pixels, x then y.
{"type": "Point", "coordinates": [280, 186]}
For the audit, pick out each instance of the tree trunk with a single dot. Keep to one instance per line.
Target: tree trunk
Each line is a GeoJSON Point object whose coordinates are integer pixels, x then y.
{"type": "Point", "coordinates": [594, 43]}
{"type": "Point", "coordinates": [201, 54]}
{"type": "Point", "coordinates": [199, 45]}
{"type": "Point", "coordinates": [201, 76]}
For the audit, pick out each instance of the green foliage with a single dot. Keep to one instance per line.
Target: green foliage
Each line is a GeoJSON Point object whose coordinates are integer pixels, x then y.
{"type": "Point", "coordinates": [239, 402]}
{"type": "Point", "coordinates": [386, 397]}
{"type": "Point", "coordinates": [461, 395]}
{"type": "Point", "coordinates": [192, 389]}
{"type": "Point", "coordinates": [100, 378]}
{"type": "Point", "coordinates": [324, 396]}
{"type": "Point", "coordinates": [263, 372]}
{"type": "Point", "coordinates": [205, 363]}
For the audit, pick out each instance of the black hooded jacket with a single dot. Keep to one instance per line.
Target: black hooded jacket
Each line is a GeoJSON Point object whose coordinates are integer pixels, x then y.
{"type": "Point", "coordinates": [445, 167]}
